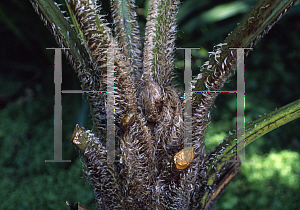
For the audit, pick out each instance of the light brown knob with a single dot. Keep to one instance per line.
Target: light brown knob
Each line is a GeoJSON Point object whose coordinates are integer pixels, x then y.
{"type": "Point", "coordinates": [184, 158]}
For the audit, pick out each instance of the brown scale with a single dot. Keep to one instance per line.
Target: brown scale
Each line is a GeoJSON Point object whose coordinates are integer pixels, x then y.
{"type": "Point", "coordinates": [151, 98]}
{"type": "Point", "coordinates": [184, 158]}
{"type": "Point", "coordinates": [126, 122]}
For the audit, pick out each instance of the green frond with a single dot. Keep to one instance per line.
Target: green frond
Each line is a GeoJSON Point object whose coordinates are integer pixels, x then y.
{"type": "Point", "coordinates": [127, 33]}
{"type": "Point", "coordinates": [160, 41]}
{"type": "Point", "coordinates": [215, 72]}
{"type": "Point", "coordinates": [165, 42]}
{"type": "Point", "coordinates": [66, 38]}
{"type": "Point", "coordinates": [92, 30]}
{"type": "Point", "coordinates": [261, 18]}
{"type": "Point", "coordinates": [222, 62]}
{"type": "Point", "coordinates": [150, 33]}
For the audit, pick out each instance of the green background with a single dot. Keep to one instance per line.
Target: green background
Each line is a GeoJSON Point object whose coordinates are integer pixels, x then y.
{"type": "Point", "coordinates": [27, 108]}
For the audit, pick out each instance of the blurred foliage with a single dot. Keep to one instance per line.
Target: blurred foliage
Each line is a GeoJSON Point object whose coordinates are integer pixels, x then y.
{"type": "Point", "coordinates": [26, 103]}
{"type": "Point", "coordinates": [27, 182]}
{"type": "Point", "coordinates": [271, 182]}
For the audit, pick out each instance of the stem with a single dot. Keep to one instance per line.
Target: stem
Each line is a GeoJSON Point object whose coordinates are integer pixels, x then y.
{"type": "Point", "coordinates": [218, 158]}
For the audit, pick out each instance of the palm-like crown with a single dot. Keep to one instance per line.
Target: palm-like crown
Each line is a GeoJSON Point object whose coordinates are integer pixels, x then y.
{"type": "Point", "coordinates": [153, 170]}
